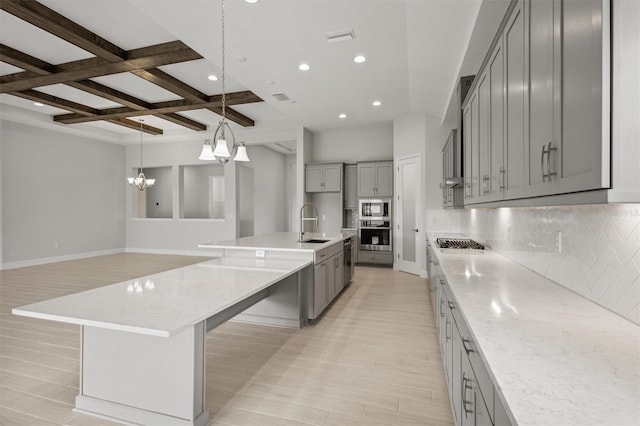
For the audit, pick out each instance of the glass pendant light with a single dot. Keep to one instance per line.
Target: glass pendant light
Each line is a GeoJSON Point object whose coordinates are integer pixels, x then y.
{"type": "Point", "coordinates": [141, 182]}
{"type": "Point", "coordinates": [218, 149]}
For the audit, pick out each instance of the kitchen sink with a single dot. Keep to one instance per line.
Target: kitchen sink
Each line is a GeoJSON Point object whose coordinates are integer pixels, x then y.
{"type": "Point", "coordinates": [316, 241]}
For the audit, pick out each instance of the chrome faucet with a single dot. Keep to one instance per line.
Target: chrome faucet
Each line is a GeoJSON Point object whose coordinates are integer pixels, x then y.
{"type": "Point", "coordinates": [302, 219]}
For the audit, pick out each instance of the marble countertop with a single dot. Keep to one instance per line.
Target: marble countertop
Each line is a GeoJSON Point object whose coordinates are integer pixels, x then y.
{"type": "Point", "coordinates": [556, 357]}
{"type": "Point", "coordinates": [284, 241]}
{"type": "Point", "coordinates": [165, 303]}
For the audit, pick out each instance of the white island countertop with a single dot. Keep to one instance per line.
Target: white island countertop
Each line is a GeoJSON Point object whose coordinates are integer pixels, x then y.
{"type": "Point", "coordinates": [280, 241]}
{"type": "Point", "coordinates": [165, 303]}
{"type": "Point", "coordinates": [556, 357]}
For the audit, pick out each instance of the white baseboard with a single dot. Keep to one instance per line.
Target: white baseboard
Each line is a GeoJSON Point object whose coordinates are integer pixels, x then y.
{"type": "Point", "coordinates": [44, 260]}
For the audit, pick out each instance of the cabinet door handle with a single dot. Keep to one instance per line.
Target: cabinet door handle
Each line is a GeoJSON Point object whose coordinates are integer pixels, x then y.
{"type": "Point", "coordinates": [415, 229]}
{"type": "Point", "coordinates": [544, 151]}
{"type": "Point", "coordinates": [549, 149]}
{"type": "Point", "coordinates": [452, 305]}
{"type": "Point", "coordinates": [446, 330]}
{"type": "Point", "coordinates": [466, 386]}
{"type": "Point", "coordinates": [468, 350]}
{"type": "Point", "coordinates": [502, 171]}
{"type": "Point", "coordinates": [441, 310]}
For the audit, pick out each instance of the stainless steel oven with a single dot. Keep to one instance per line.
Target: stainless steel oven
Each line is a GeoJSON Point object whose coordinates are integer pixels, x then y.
{"type": "Point", "coordinates": [374, 231]}
{"type": "Point", "coordinates": [371, 209]}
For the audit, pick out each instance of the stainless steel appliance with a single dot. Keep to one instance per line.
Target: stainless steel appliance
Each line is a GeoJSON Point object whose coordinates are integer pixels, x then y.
{"type": "Point", "coordinates": [348, 260]}
{"type": "Point", "coordinates": [375, 231]}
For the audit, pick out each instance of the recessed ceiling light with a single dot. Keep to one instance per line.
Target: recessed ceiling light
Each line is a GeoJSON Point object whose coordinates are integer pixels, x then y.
{"type": "Point", "coordinates": [376, 103]}
{"type": "Point", "coordinates": [343, 115]}
{"type": "Point", "coordinates": [213, 77]}
{"type": "Point", "coordinates": [251, 1]}
{"type": "Point", "coordinates": [38, 104]}
{"type": "Point", "coordinates": [304, 67]}
{"type": "Point", "coordinates": [359, 59]}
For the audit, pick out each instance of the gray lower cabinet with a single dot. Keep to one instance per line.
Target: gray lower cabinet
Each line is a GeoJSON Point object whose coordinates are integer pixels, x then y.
{"type": "Point", "coordinates": [328, 280]}
{"type": "Point", "coordinates": [471, 391]}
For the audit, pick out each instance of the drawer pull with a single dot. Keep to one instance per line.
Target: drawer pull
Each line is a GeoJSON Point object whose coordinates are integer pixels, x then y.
{"type": "Point", "coordinates": [466, 386]}
{"type": "Point", "coordinates": [468, 350]}
{"type": "Point", "coordinates": [451, 304]}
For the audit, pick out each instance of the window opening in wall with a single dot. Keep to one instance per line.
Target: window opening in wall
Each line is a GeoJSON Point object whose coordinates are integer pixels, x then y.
{"type": "Point", "coordinates": [156, 202]}
{"type": "Point", "coordinates": [203, 191]}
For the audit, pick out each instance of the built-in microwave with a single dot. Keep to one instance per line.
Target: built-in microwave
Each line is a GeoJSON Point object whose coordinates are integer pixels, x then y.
{"type": "Point", "coordinates": [375, 209]}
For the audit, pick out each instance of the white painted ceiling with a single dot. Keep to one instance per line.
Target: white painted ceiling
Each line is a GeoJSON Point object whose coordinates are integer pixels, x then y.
{"type": "Point", "coordinates": [414, 48]}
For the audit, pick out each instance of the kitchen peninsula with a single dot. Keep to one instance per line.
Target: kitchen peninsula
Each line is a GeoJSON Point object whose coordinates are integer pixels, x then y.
{"type": "Point", "coordinates": [143, 340]}
{"type": "Point", "coordinates": [325, 250]}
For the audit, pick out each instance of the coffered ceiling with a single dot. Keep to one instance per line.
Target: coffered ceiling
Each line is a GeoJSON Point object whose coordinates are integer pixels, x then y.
{"type": "Point", "coordinates": [102, 65]}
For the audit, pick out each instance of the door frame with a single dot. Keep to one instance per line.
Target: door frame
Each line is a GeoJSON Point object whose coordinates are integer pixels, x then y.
{"type": "Point", "coordinates": [419, 267]}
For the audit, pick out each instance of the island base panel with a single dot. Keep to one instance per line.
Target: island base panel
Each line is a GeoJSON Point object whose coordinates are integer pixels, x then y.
{"type": "Point", "coordinates": [144, 379]}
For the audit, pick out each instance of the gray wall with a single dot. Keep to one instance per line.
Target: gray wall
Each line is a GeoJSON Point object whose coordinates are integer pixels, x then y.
{"type": "Point", "coordinates": [352, 145]}
{"type": "Point", "coordinates": [183, 235]}
{"type": "Point", "coordinates": [269, 187]}
{"type": "Point", "coordinates": [62, 194]}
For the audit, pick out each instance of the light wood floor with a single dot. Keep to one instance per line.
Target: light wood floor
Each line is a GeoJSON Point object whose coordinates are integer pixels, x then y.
{"type": "Point", "coordinates": [372, 359]}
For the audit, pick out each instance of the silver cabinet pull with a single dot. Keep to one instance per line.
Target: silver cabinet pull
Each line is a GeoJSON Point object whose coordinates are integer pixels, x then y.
{"type": "Point", "coordinates": [502, 184]}
{"type": "Point", "coordinates": [549, 149]}
{"type": "Point", "coordinates": [465, 387]}
{"type": "Point", "coordinates": [485, 184]}
{"type": "Point", "coordinates": [441, 310]}
{"type": "Point", "coordinates": [468, 350]}
{"type": "Point", "coordinates": [446, 330]}
{"type": "Point", "coordinates": [451, 304]}
{"type": "Point", "coordinates": [544, 151]}
{"type": "Point", "coordinates": [415, 229]}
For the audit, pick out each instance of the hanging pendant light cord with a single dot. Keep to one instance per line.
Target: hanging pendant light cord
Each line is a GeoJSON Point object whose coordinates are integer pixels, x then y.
{"type": "Point", "coordinates": [223, 89]}
{"type": "Point", "coordinates": [141, 144]}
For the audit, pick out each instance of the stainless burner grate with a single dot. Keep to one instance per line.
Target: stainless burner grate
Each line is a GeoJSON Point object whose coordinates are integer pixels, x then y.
{"type": "Point", "coordinates": [458, 243]}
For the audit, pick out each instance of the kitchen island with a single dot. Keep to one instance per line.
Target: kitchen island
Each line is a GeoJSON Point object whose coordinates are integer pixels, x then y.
{"type": "Point", "coordinates": [325, 250]}
{"type": "Point", "coordinates": [539, 353]}
{"type": "Point", "coordinates": [143, 340]}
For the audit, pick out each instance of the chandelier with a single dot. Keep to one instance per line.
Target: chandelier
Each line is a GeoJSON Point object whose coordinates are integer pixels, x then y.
{"type": "Point", "coordinates": [141, 181]}
{"type": "Point", "coordinates": [217, 149]}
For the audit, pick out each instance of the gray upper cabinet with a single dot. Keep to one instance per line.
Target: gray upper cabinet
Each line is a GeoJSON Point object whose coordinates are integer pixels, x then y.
{"type": "Point", "coordinates": [351, 186]}
{"type": "Point", "coordinates": [566, 149]}
{"type": "Point", "coordinates": [534, 120]}
{"type": "Point", "coordinates": [452, 191]}
{"type": "Point", "coordinates": [375, 179]}
{"type": "Point", "coordinates": [323, 177]}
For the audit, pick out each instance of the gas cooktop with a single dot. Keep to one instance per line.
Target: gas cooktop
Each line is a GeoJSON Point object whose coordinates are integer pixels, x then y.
{"type": "Point", "coordinates": [459, 244]}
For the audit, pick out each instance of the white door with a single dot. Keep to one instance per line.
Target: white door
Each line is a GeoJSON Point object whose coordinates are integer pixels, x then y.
{"type": "Point", "coordinates": [408, 204]}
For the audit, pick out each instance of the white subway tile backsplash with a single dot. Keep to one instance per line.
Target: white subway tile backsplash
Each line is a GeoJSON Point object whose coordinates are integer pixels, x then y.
{"type": "Point", "coordinates": [593, 250]}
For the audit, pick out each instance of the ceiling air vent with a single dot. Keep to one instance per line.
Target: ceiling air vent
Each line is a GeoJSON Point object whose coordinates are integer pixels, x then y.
{"type": "Point", "coordinates": [280, 96]}
{"type": "Point", "coordinates": [340, 36]}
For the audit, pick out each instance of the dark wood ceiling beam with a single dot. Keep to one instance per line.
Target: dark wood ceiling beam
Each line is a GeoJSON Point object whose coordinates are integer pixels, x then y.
{"type": "Point", "coordinates": [235, 116]}
{"type": "Point", "coordinates": [214, 104]}
{"type": "Point", "coordinates": [114, 95]}
{"type": "Point", "coordinates": [19, 59]}
{"type": "Point", "coordinates": [172, 84]}
{"type": "Point", "coordinates": [135, 125]}
{"type": "Point", "coordinates": [41, 16]}
{"type": "Point", "coordinates": [96, 67]}
{"type": "Point", "coordinates": [45, 98]}
{"type": "Point", "coordinates": [183, 121]}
